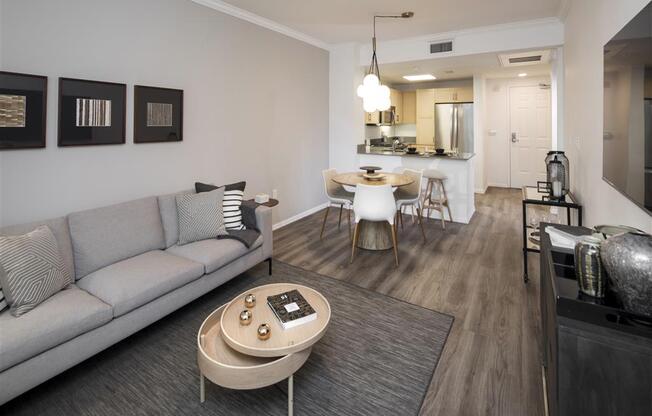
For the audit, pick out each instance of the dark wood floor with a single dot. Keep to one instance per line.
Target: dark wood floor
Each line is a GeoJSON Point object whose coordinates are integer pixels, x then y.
{"type": "Point", "coordinates": [490, 365]}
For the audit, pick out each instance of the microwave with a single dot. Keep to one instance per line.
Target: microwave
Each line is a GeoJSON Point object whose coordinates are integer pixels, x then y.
{"type": "Point", "coordinates": [380, 118]}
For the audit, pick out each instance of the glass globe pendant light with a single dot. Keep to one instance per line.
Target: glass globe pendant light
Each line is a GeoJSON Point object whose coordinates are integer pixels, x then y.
{"type": "Point", "coordinates": [376, 96]}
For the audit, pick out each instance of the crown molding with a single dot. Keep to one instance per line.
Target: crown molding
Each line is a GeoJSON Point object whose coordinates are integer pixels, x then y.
{"type": "Point", "coordinates": [226, 8]}
{"type": "Point", "coordinates": [564, 8]}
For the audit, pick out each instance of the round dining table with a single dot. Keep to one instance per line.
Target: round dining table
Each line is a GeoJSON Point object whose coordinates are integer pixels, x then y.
{"type": "Point", "coordinates": [374, 235]}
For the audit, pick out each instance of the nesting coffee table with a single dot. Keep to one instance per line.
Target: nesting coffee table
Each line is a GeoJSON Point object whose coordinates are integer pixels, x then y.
{"type": "Point", "coordinates": [231, 355]}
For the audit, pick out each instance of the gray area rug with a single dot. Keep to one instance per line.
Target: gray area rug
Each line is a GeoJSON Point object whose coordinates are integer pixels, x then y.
{"type": "Point", "coordinates": [377, 358]}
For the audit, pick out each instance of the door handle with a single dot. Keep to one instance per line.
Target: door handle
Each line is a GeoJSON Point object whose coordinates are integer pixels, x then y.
{"type": "Point", "coordinates": [514, 139]}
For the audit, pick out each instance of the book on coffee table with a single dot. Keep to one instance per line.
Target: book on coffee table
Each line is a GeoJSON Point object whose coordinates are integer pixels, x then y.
{"type": "Point", "coordinates": [291, 309]}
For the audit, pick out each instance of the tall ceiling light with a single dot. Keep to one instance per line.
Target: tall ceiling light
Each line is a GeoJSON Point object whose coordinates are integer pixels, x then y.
{"type": "Point", "coordinates": [375, 95]}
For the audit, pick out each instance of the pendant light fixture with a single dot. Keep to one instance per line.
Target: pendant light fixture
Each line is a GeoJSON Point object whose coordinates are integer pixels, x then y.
{"type": "Point", "coordinates": [375, 95]}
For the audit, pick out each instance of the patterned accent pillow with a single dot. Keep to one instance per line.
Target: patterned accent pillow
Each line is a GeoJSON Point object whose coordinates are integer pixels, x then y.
{"type": "Point", "coordinates": [200, 216]}
{"type": "Point", "coordinates": [231, 205]}
{"type": "Point", "coordinates": [31, 269]}
{"type": "Point", "coordinates": [3, 301]}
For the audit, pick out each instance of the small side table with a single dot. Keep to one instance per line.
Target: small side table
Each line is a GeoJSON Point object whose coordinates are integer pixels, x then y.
{"type": "Point", "coordinates": [271, 203]}
{"type": "Point", "coordinates": [531, 196]}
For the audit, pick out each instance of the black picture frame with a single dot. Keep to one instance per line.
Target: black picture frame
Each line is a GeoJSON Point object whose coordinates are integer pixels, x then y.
{"type": "Point", "coordinates": [83, 116]}
{"type": "Point", "coordinates": [28, 93]}
{"type": "Point", "coordinates": [158, 114]}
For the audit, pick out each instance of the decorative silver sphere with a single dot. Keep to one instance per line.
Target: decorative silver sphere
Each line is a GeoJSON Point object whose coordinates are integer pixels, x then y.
{"type": "Point", "coordinates": [246, 317]}
{"type": "Point", "coordinates": [264, 332]}
{"type": "Point", "coordinates": [250, 300]}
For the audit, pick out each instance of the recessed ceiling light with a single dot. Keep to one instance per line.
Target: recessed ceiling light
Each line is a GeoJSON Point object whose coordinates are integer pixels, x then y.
{"type": "Point", "coordinates": [422, 77]}
{"type": "Point", "coordinates": [522, 74]}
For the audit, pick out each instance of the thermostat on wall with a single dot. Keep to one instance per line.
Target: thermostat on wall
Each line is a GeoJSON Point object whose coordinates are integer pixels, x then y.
{"type": "Point", "coordinates": [261, 198]}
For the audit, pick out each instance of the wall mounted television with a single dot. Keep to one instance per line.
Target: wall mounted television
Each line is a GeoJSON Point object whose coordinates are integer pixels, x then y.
{"type": "Point", "coordinates": [627, 135]}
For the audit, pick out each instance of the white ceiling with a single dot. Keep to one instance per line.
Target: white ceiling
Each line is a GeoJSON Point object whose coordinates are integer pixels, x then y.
{"type": "Point", "coordinates": [337, 21]}
{"type": "Point", "coordinates": [486, 64]}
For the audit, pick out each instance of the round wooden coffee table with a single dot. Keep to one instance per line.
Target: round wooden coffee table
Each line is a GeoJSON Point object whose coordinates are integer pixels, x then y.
{"type": "Point", "coordinates": [232, 356]}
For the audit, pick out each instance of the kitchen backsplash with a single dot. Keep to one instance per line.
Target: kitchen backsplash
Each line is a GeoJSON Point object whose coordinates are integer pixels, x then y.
{"type": "Point", "coordinates": [374, 132]}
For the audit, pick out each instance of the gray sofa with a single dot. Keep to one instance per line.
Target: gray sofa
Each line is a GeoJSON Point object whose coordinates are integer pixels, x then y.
{"type": "Point", "coordinates": [129, 273]}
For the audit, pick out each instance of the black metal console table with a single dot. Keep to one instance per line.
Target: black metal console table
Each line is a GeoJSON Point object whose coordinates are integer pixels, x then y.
{"type": "Point", "coordinates": [531, 196]}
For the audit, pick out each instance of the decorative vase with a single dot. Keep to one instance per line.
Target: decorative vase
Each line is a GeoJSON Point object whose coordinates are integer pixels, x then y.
{"type": "Point", "coordinates": [588, 269]}
{"type": "Point", "coordinates": [627, 258]}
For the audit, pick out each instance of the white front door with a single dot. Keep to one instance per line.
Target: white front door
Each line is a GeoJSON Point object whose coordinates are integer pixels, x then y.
{"type": "Point", "coordinates": [530, 134]}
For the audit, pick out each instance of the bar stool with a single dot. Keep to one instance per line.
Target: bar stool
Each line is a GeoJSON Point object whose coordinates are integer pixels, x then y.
{"type": "Point", "coordinates": [435, 185]}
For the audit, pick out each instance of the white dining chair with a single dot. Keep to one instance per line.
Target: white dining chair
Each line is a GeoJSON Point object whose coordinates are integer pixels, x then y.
{"type": "Point", "coordinates": [374, 203]}
{"type": "Point", "coordinates": [410, 195]}
{"type": "Point", "coordinates": [336, 195]}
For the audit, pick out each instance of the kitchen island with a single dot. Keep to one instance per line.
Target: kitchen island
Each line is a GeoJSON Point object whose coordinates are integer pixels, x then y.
{"type": "Point", "coordinates": [460, 185]}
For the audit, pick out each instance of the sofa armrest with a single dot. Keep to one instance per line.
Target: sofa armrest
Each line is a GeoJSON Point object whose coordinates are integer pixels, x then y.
{"type": "Point", "coordinates": [264, 223]}
{"type": "Point", "coordinates": [259, 217]}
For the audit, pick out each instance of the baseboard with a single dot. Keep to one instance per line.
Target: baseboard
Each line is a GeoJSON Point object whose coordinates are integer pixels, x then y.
{"type": "Point", "coordinates": [497, 185]}
{"type": "Point", "coordinates": [299, 216]}
{"type": "Point", "coordinates": [481, 190]}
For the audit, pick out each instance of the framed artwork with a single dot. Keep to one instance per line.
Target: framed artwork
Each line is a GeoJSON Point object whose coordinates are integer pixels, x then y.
{"type": "Point", "coordinates": [158, 114]}
{"type": "Point", "coordinates": [91, 112]}
{"type": "Point", "coordinates": [23, 108]}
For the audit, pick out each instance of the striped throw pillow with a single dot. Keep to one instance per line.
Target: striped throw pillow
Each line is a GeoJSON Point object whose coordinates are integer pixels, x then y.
{"type": "Point", "coordinates": [3, 301]}
{"type": "Point", "coordinates": [231, 204]}
{"type": "Point", "coordinates": [231, 208]}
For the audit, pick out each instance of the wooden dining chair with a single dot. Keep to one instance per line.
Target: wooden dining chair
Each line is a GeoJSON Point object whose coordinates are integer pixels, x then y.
{"type": "Point", "coordinates": [374, 203]}
{"type": "Point", "coordinates": [336, 195]}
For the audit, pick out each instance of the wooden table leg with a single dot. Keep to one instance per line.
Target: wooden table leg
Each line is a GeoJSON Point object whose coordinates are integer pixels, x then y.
{"type": "Point", "coordinates": [291, 395]}
{"type": "Point", "coordinates": [202, 388]}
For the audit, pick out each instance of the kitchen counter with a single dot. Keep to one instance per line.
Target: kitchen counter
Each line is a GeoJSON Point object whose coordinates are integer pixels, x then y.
{"type": "Point", "coordinates": [459, 169]}
{"type": "Point", "coordinates": [387, 151]}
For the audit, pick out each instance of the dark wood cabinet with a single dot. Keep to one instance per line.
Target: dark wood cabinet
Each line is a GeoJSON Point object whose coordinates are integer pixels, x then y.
{"type": "Point", "coordinates": [597, 359]}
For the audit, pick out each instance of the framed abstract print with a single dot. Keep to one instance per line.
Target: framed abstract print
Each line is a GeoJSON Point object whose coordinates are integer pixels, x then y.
{"type": "Point", "coordinates": [158, 114]}
{"type": "Point", "coordinates": [23, 108]}
{"type": "Point", "coordinates": [91, 112]}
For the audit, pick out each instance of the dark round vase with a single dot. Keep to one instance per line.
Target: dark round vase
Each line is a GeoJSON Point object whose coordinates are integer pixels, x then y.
{"type": "Point", "coordinates": [627, 258]}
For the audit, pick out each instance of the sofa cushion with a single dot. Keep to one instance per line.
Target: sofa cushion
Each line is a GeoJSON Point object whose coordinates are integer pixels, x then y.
{"type": "Point", "coordinates": [31, 269]}
{"type": "Point", "coordinates": [103, 236]}
{"type": "Point", "coordinates": [131, 283]}
{"type": "Point", "coordinates": [168, 206]}
{"type": "Point", "coordinates": [213, 253]}
{"type": "Point", "coordinates": [59, 227]}
{"type": "Point", "coordinates": [62, 317]}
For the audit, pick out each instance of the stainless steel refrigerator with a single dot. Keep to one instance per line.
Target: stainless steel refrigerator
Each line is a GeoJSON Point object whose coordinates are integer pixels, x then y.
{"type": "Point", "coordinates": [454, 127]}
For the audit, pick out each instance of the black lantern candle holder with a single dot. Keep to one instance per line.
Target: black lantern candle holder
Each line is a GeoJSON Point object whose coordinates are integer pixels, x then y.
{"type": "Point", "coordinates": [558, 174]}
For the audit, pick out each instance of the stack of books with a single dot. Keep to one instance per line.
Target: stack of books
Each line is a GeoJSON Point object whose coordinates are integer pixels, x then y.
{"type": "Point", "coordinates": [291, 309]}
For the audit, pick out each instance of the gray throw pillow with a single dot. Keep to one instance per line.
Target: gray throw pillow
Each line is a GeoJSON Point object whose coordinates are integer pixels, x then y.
{"type": "Point", "coordinates": [200, 216]}
{"type": "Point", "coordinates": [31, 269]}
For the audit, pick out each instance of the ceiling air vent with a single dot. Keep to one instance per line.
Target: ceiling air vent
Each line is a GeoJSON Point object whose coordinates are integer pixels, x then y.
{"type": "Point", "coordinates": [532, 58]}
{"type": "Point", "coordinates": [441, 47]}
{"type": "Point", "coordinates": [524, 58]}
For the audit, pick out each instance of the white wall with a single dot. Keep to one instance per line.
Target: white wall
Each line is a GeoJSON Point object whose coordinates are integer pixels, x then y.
{"type": "Point", "coordinates": [497, 127]}
{"type": "Point", "coordinates": [589, 25]}
{"type": "Point", "coordinates": [346, 116]}
{"type": "Point", "coordinates": [479, 120]}
{"type": "Point", "coordinates": [256, 104]}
